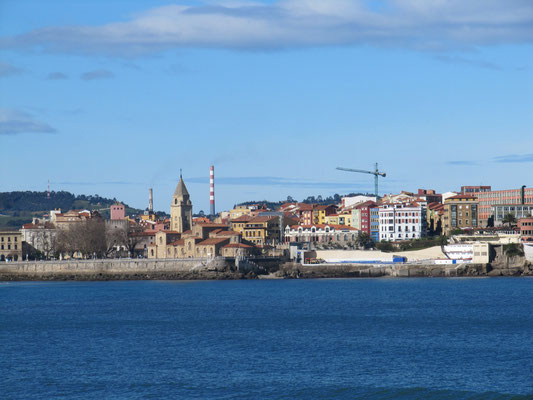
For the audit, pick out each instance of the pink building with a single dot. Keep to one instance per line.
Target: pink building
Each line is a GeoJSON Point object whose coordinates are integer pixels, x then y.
{"type": "Point", "coordinates": [118, 211]}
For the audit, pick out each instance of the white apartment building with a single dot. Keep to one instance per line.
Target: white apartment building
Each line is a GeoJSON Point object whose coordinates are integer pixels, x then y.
{"type": "Point", "coordinates": [348, 202]}
{"type": "Point", "coordinates": [402, 221]}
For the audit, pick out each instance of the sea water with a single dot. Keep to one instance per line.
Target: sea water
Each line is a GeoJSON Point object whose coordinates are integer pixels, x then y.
{"type": "Point", "coordinates": [276, 339]}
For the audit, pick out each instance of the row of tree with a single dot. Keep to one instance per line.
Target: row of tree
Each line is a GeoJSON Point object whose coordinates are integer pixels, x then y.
{"type": "Point", "coordinates": [87, 239]}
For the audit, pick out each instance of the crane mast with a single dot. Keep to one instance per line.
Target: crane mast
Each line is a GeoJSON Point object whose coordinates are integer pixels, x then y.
{"type": "Point", "coordinates": [377, 173]}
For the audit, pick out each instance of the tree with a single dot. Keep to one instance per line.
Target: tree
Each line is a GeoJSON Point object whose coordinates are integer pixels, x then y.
{"type": "Point", "coordinates": [513, 250]}
{"type": "Point", "coordinates": [509, 219]}
{"type": "Point", "coordinates": [87, 238]}
{"type": "Point", "coordinates": [364, 240]}
{"type": "Point", "coordinates": [116, 238]}
{"type": "Point", "coordinates": [385, 246]}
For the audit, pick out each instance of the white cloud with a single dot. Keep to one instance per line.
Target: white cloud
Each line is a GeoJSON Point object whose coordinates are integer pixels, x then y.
{"type": "Point", "coordinates": [418, 24]}
{"type": "Point", "coordinates": [13, 122]}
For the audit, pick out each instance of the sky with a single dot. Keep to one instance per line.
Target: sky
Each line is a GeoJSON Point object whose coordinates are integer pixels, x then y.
{"type": "Point", "coordinates": [113, 98]}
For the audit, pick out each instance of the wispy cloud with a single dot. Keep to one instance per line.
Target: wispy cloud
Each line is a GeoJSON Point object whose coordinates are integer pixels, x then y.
{"type": "Point", "coordinates": [99, 74]}
{"type": "Point", "coordinates": [13, 122]}
{"type": "Point", "coordinates": [514, 158]}
{"type": "Point", "coordinates": [8, 69]}
{"type": "Point", "coordinates": [467, 61]}
{"type": "Point", "coordinates": [82, 183]}
{"type": "Point", "coordinates": [279, 182]}
{"type": "Point", "coordinates": [281, 24]}
{"type": "Point", "coordinates": [57, 76]}
{"type": "Point", "coordinates": [463, 162]}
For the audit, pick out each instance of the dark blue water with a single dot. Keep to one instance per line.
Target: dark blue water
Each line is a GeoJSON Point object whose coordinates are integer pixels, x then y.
{"type": "Point", "coordinates": [312, 339]}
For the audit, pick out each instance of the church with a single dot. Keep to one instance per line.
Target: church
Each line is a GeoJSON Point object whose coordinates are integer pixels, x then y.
{"type": "Point", "coordinates": [186, 239]}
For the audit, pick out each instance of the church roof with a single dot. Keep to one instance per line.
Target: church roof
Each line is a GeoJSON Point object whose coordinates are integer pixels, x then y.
{"type": "Point", "coordinates": [181, 190]}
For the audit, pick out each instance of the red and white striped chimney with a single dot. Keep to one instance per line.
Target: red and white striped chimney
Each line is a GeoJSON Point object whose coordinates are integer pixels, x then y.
{"type": "Point", "coordinates": [212, 190]}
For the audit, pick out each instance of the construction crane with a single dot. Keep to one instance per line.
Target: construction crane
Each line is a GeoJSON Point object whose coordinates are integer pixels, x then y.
{"type": "Point", "coordinates": [377, 173]}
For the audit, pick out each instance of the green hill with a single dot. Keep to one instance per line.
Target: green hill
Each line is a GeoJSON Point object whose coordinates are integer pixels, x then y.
{"type": "Point", "coordinates": [17, 208]}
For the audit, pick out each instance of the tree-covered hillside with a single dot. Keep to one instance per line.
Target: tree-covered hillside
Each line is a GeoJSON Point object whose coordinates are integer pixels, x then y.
{"type": "Point", "coordinates": [17, 208]}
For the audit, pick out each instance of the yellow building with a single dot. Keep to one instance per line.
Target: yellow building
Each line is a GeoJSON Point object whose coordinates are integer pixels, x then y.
{"type": "Point", "coordinates": [460, 212]}
{"type": "Point", "coordinates": [239, 211]}
{"type": "Point", "coordinates": [320, 213]}
{"type": "Point", "coordinates": [238, 224]}
{"type": "Point", "coordinates": [332, 219]}
{"type": "Point", "coordinates": [262, 230]}
{"type": "Point", "coordinates": [10, 246]}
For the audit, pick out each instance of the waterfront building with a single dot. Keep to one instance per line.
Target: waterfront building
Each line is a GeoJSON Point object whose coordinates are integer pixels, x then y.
{"type": "Point", "coordinates": [403, 197]}
{"type": "Point", "coordinates": [429, 196]}
{"type": "Point", "coordinates": [361, 216]}
{"type": "Point", "coordinates": [10, 246]}
{"type": "Point", "coordinates": [348, 202]}
{"type": "Point", "coordinates": [69, 218]}
{"type": "Point", "coordinates": [509, 197]}
{"type": "Point", "coordinates": [181, 209]}
{"type": "Point", "coordinates": [374, 223]}
{"type": "Point", "coordinates": [526, 229]}
{"type": "Point", "coordinates": [332, 219]}
{"type": "Point", "coordinates": [320, 233]}
{"type": "Point", "coordinates": [40, 237]}
{"type": "Point", "coordinates": [402, 221]}
{"type": "Point", "coordinates": [320, 212]}
{"type": "Point", "coordinates": [239, 223]}
{"type": "Point", "coordinates": [263, 230]}
{"type": "Point", "coordinates": [473, 190]}
{"type": "Point", "coordinates": [447, 195]}
{"type": "Point", "coordinates": [460, 212]}
{"type": "Point", "coordinates": [204, 240]}
{"type": "Point", "coordinates": [238, 211]}
{"type": "Point", "coordinates": [518, 211]}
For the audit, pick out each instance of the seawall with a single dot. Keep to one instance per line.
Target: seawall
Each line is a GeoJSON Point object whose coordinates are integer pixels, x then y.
{"type": "Point", "coordinates": [225, 268]}
{"type": "Point", "coordinates": [123, 269]}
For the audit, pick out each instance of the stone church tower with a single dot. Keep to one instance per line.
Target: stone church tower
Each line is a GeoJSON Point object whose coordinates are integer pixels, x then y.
{"type": "Point", "coordinates": [181, 209]}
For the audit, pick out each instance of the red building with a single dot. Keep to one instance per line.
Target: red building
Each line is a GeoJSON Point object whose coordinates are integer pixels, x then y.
{"type": "Point", "coordinates": [361, 216]}
{"type": "Point", "coordinates": [526, 229]}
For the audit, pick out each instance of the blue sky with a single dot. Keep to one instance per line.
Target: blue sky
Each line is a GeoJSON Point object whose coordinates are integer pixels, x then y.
{"type": "Point", "coordinates": [115, 97]}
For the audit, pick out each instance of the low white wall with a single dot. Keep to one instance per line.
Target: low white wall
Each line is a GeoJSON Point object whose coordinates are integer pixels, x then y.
{"type": "Point", "coordinates": [376, 255]}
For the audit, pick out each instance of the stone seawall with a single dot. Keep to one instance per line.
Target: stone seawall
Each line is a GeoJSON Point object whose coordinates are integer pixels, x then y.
{"type": "Point", "coordinates": [222, 268]}
{"type": "Point", "coordinates": [291, 270]}
{"type": "Point", "coordinates": [218, 268]}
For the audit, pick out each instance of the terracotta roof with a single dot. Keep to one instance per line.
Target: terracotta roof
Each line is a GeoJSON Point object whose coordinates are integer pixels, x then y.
{"type": "Point", "coordinates": [237, 246]}
{"type": "Point", "coordinates": [365, 204]}
{"type": "Point", "coordinates": [212, 241]}
{"type": "Point", "coordinates": [227, 233]}
{"type": "Point", "coordinates": [242, 218]}
{"type": "Point", "coordinates": [211, 225]}
{"type": "Point", "coordinates": [321, 226]}
{"type": "Point", "coordinates": [187, 232]}
{"type": "Point", "coordinates": [171, 232]}
{"type": "Point", "coordinates": [325, 206]}
{"type": "Point", "coordinates": [179, 242]}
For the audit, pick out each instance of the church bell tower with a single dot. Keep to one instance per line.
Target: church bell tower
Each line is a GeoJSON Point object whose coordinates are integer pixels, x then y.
{"type": "Point", "coordinates": [181, 209]}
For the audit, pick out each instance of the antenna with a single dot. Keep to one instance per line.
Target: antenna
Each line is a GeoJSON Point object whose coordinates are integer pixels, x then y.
{"type": "Point", "coordinates": [48, 191]}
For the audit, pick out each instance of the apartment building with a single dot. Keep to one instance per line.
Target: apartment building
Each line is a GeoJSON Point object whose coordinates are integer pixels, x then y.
{"type": "Point", "coordinates": [402, 221]}
{"type": "Point", "coordinates": [460, 212]}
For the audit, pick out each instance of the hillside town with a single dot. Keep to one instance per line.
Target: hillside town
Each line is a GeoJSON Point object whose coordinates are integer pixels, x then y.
{"type": "Point", "coordinates": [464, 224]}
